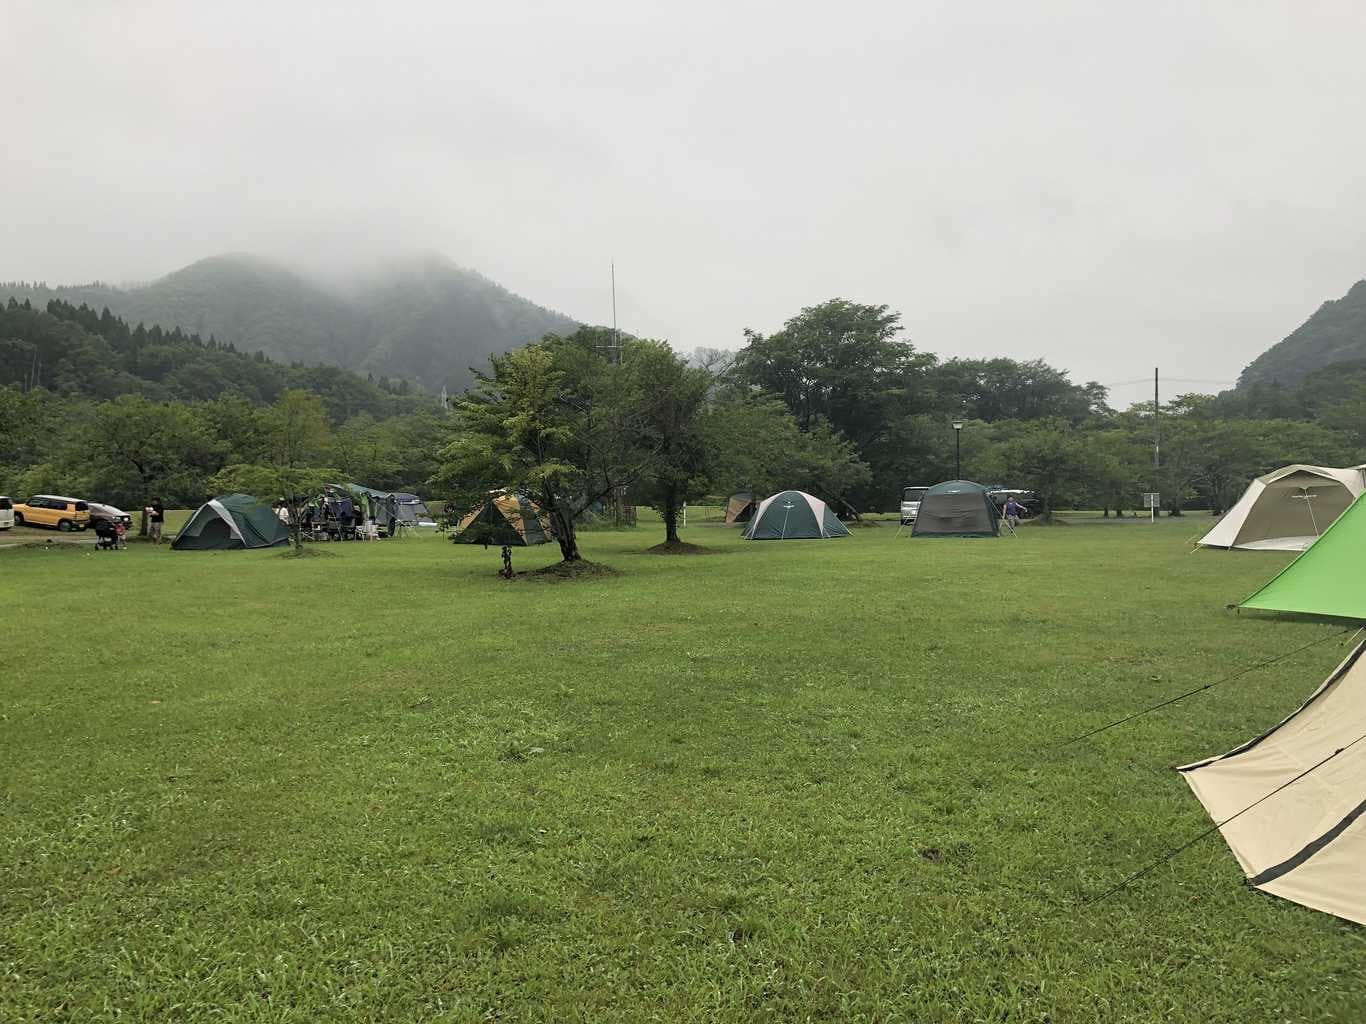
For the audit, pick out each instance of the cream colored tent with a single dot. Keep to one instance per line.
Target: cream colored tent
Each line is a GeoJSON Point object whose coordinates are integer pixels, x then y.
{"type": "Point", "coordinates": [1287, 509]}
{"type": "Point", "coordinates": [1305, 842]}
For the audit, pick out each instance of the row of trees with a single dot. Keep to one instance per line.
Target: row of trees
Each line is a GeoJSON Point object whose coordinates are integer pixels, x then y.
{"type": "Point", "coordinates": [130, 448]}
{"type": "Point", "coordinates": [836, 404]}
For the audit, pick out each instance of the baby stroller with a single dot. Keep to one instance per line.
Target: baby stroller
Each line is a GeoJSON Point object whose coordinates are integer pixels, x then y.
{"type": "Point", "coordinates": [106, 535]}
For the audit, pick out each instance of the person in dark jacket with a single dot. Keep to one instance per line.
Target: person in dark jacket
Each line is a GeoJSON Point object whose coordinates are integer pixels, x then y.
{"type": "Point", "coordinates": [155, 519]}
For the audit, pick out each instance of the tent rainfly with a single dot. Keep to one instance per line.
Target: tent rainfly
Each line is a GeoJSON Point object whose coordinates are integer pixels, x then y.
{"type": "Point", "coordinates": [1325, 580]}
{"type": "Point", "coordinates": [1302, 790]}
{"type": "Point", "coordinates": [1287, 509]}
{"type": "Point", "coordinates": [740, 507]}
{"type": "Point", "coordinates": [794, 515]}
{"type": "Point", "coordinates": [233, 521]}
{"type": "Point", "coordinates": [957, 508]}
{"type": "Point", "coordinates": [504, 520]}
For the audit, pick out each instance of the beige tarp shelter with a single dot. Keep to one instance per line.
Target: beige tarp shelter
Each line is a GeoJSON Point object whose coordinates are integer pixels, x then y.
{"type": "Point", "coordinates": [1287, 509]}
{"type": "Point", "coordinates": [1307, 841]}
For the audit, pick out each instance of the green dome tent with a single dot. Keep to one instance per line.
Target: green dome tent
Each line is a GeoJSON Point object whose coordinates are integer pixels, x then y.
{"type": "Point", "coordinates": [231, 522]}
{"type": "Point", "coordinates": [794, 515]}
{"type": "Point", "coordinates": [957, 508]}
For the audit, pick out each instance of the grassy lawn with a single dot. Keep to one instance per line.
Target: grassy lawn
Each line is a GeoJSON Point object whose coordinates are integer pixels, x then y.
{"type": "Point", "coordinates": [788, 781]}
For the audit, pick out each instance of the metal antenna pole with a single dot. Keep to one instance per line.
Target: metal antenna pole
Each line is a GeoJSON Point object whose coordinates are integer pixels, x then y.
{"type": "Point", "coordinates": [1157, 425]}
{"type": "Point", "coordinates": [616, 334]}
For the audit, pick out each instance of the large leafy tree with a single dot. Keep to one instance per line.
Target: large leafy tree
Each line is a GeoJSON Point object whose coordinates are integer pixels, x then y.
{"type": "Point", "coordinates": [295, 440]}
{"type": "Point", "coordinates": [754, 444]}
{"type": "Point", "coordinates": [672, 397]}
{"type": "Point", "coordinates": [1049, 457]}
{"type": "Point", "coordinates": [841, 363]}
{"type": "Point", "coordinates": [137, 449]}
{"type": "Point", "coordinates": [560, 421]}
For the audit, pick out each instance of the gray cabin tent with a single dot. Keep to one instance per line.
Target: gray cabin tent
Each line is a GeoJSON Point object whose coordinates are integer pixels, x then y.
{"type": "Point", "coordinates": [957, 508]}
{"type": "Point", "coordinates": [232, 522]}
{"type": "Point", "coordinates": [794, 515]}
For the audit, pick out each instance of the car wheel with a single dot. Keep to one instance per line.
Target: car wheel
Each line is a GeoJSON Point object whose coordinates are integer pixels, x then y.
{"type": "Point", "coordinates": [64, 525]}
{"type": "Point", "coordinates": [18, 519]}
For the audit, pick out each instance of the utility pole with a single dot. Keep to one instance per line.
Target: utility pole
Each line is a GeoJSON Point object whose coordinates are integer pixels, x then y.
{"type": "Point", "coordinates": [1157, 425]}
{"type": "Point", "coordinates": [615, 355]}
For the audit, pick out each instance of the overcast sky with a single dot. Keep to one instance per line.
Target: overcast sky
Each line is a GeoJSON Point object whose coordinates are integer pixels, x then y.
{"type": "Point", "coordinates": [1107, 186]}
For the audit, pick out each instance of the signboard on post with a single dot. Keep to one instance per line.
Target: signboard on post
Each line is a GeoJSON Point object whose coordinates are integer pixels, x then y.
{"type": "Point", "coordinates": [1152, 501]}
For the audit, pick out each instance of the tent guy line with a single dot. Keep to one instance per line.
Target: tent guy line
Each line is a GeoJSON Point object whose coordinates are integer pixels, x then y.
{"type": "Point", "coordinates": [1201, 689]}
{"type": "Point", "coordinates": [1217, 826]}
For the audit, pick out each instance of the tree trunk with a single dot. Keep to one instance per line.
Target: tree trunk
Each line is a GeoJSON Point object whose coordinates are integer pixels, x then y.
{"type": "Point", "coordinates": [142, 520]}
{"type": "Point", "coordinates": [564, 534]}
{"type": "Point", "coordinates": [670, 521]}
{"type": "Point", "coordinates": [1105, 512]}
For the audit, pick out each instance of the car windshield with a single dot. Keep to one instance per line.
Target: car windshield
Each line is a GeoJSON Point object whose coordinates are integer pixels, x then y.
{"type": "Point", "coordinates": [5, 503]}
{"type": "Point", "coordinates": [913, 493]}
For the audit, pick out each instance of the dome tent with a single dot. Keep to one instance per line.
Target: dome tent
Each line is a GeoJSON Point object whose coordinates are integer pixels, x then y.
{"type": "Point", "coordinates": [232, 522]}
{"type": "Point", "coordinates": [1285, 510]}
{"type": "Point", "coordinates": [957, 508]}
{"type": "Point", "coordinates": [794, 515]}
{"type": "Point", "coordinates": [503, 520]}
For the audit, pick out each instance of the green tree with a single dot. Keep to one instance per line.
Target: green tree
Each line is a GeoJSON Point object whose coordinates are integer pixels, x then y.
{"type": "Point", "coordinates": [671, 395]}
{"type": "Point", "coordinates": [554, 420]}
{"type": "Point", "coordinates": [295, 438]}
{"type": "Point", "coordinates": [137, 449]}
{"type": "Point", "coordinates": [362, 451]}
{"type": "Point", "coordinates": [1050, 458]}
{"type": "Point", "coordinates": [754, 444]}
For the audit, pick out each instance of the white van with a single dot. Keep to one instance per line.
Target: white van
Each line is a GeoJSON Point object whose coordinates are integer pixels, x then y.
{"type": "Point", "coordinates": [910, 504]}
{"type": "Point", "coordinates": [6, 513]}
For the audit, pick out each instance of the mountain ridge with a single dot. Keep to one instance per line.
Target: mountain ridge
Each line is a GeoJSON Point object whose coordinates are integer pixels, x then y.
{"type": "Point", "coordinates": [1334, 333]}
{"type": "Point", "coordinates": [420, 317]}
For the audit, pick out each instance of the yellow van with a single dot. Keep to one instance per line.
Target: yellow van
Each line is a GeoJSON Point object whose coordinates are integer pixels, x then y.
{"type": "Point", "coordinates": [52, 510]}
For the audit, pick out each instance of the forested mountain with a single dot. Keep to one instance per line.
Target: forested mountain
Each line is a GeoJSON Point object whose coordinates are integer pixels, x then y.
{"type": "Point", "coordinates": [73, 351]}
{"type": "Point", "coordinates": [423, 318]}
{"type": "Point", "coordinates": [1336, 333]}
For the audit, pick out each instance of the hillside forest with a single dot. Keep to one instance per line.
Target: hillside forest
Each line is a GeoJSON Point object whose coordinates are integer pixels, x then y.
{"type": "Point", "coordinates": [836, 402]}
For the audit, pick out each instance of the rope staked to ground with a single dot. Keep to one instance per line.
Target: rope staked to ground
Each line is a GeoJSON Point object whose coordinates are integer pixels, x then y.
{"type": "Point", "coordinates": [1201, 689]}
{"type": "Point", "coordinates": [1170, 854]}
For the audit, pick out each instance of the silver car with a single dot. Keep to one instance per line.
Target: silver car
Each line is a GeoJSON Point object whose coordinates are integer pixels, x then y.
{"type": "Point", "coordinates": [109, 514]}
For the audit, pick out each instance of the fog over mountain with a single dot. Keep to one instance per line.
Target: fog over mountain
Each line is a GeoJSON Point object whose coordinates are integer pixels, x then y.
{"type": "Point", "coordinates": [419, 317]}
{"type": "Point", "coordinates": [1108, 188]}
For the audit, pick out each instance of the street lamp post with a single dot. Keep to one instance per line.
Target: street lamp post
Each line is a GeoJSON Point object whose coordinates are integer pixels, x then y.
{"type": "Point", "coordinates": [958, 449]}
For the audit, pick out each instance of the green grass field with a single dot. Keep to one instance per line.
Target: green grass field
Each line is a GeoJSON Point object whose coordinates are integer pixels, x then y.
{"type": "Point", "coordinates": [787, 781]}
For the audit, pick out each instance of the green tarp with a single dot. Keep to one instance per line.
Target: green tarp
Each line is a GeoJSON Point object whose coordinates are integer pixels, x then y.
{"type": "Point", "coordinates": [233, 521]}
{"type": "Point", "coordinates": [1326, 580]}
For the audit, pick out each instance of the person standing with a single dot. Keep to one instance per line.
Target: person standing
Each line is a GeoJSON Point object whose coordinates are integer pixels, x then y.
{"type": "Point", "coordinates": [1013, 511]}
{"type": "Point", "coordinates": [157, 517]}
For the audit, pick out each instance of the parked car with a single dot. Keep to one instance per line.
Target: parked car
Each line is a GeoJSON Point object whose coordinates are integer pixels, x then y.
{"type": "Point", "coordinates": [109, 514]}
{"type": "Point", "coordinates": [53, 510]}
{"type": "Point", "coordinates": [910, 504]}
{"type": "Point", "coordinates": [6, 512]}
